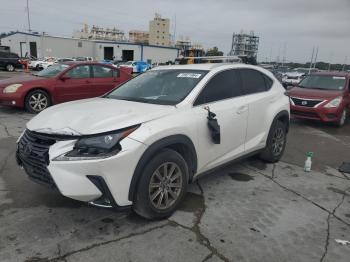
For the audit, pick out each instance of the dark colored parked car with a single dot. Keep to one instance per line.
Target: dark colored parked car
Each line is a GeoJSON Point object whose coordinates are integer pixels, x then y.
{"type": "Point", "coordinates": [60, 83]}
{"type": "Point", "coordinates": [322, 96]}
{"type": "Point", "coordinates": [9, 61]}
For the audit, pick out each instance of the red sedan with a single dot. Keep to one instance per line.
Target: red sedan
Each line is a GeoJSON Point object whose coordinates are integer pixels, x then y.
{"type": "Point", "coordinates": [323, 96]}
{"type": "Point", "coordinates": [60, 83]}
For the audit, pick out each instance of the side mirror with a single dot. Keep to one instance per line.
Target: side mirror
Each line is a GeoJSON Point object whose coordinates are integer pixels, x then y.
{"type": "Point", "coordinates": [64, 77]}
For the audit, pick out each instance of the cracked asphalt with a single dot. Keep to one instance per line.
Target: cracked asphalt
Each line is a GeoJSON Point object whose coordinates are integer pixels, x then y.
{"type": "Point", "coordinates": [248, 211]}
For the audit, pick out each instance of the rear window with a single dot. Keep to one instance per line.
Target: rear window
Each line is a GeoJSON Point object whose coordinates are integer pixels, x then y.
{"type": "Point", "coordinates": [253, 81]}
{"type": "Point", "coordinates": [4, 54]}
{"type": "Point", "coordinates": [324, 82]}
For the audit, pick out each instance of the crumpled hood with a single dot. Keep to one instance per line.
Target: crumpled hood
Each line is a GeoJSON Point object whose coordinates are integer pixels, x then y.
{"type": "Point", "coordinates": [96, 115]}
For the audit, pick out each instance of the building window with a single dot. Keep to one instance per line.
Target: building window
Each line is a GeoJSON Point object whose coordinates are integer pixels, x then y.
{"type": "Point", "coordinates": [157, 23]}
{"type": "Point", "coordinates": [80, 44]}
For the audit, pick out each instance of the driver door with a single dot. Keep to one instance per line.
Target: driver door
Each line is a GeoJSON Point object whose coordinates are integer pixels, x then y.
{"type": "Point", "coordinates": [223, 95]}
{"type": "Point", "coordinates": [77, 83]}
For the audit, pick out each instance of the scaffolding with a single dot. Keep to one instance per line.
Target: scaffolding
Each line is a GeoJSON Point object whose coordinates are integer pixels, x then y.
{"type": "Point", "coordinates": [244, 44]}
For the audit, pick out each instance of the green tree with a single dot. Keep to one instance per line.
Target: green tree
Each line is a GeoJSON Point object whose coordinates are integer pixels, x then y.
{"type": "Point", "coordinates": [214, 52]}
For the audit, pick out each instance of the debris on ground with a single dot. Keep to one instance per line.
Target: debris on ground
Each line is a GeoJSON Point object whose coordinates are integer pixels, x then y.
{"type": "Point", "coordinates": [342, 242]}
{"type": "Point", "coordinates": [345, 167]}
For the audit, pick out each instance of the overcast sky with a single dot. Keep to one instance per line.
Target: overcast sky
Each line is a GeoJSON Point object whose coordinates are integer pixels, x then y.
{"type": "Point", "coordinates": [290, 27]}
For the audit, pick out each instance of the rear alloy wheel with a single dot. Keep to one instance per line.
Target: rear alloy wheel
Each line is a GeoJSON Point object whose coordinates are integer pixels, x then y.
{"type": "Point", "coordinates": [342, 119]}
{"type": "Point", "coordinates": [10, 68]}
{"type": "Point", "coordinates": [36, 101]}
{"type": "Point", "coordinates": [162, 185]}
{"type": "Point", "coordinates": [276, 143]}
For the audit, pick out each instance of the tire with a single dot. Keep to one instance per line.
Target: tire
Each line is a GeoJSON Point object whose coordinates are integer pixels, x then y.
{"type": "Point", "coordinates": [36, 101]}
{"type": "Point", "coordinates": [276, 143]}
{"type": "Point", "coordinates": [342, 119]}
{"type": "Point", "coordinates": [166, 194]}
{"type": "Point", "coordinates": [10, 67]}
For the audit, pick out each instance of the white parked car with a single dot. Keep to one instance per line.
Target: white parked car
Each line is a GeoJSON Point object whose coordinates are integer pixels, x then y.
{"type": "Point", "coordinates": [142, 143]}
{"type": "Point", "coordinates": [42, 63]}
{"type": "Point", "coordinates": [292, 78]}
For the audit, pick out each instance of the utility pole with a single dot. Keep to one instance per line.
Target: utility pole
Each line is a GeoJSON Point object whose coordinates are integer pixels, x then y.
{"type": "Point", "coordinates": [330, 61]}
{"type": "Point", "coordinates": [346, 58]}
{"type": "Point", "coordinates": [312, 58]}
{"type": "Point", "coordinates": [175, 31]}
{"type": "Point", "coordinates": [315, 61]}
{"type": "Point", "coordinates": [28, 17]}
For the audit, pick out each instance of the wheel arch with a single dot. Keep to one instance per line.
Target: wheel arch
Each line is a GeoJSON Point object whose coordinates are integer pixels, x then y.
{"type": "Point", "coordinates": [179, 143]}
{"type": "Point", "coordinates": [25, 95]}
{"type": "Point", "coordinates": [282, 116]}
{"type": "Point", "coordinates": [37, 88]}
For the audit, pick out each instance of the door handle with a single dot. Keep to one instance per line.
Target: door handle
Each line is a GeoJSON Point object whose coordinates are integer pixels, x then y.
{"type": "Point", "coordinates": [242, 109]}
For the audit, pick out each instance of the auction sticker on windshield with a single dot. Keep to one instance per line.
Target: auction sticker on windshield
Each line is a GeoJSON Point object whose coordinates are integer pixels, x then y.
{"type": "Point", "coordinates": [339, 77]}
{"type": "Point", "coordinates": [189, 75]}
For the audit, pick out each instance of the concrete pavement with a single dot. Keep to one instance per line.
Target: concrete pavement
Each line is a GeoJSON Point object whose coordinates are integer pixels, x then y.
{"type": "Point", "coordinates": [249, 211]}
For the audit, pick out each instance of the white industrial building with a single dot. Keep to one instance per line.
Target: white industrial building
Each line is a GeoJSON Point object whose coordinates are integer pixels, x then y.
{"type": "Point", "coordinates": [42, 45]}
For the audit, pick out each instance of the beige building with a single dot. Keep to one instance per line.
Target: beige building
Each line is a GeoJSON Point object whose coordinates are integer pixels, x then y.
{"type": "Point", "coordinates": [159, 31]}
{"type": "Point", "coordinates": [137, 36]}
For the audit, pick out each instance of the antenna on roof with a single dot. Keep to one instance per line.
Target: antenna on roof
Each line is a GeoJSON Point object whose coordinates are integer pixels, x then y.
{"type": "Point", "coordinates": [28, 17]}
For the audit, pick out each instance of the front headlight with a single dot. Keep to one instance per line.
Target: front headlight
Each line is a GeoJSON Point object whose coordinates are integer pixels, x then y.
{"type": "Point", "coordinates": [97, 146]}
{"type": "Point", "coordinates": [12, 88]}
{"type": "Point", "coordinates": [334, 103]}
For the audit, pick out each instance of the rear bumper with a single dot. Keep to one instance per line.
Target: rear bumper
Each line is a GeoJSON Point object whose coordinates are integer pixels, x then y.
{"type": "Point", "coordinates": [319, 114]}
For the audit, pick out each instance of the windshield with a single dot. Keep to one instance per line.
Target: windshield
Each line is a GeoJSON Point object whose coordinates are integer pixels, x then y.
{"type": "Point", "coordinates": [167, 87]}
{"type": "Point", "coordinates": [52, 71]}
{"type": "Point", "coordinates": [323, 82]}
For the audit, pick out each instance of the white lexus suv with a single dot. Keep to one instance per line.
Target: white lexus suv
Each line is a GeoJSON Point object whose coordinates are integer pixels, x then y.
{"type": "Point", "coordinates": [142, 143]}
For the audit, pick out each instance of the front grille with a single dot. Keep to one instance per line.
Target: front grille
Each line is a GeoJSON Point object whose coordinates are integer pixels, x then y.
{"type": "Point", "coordinates": [306, 114]}
{"type": "Point", "coordinates": [33, 155]}
{"type": "Point", "coordinates": [305, 102]}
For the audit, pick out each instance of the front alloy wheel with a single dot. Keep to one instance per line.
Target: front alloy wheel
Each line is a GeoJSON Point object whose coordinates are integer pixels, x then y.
{"type": "Point", "coordinates": [37, 101]}
{"type": "Point", "coordinates": [165, 186]}
{"type": "Point", "coordinates": [162, 185]}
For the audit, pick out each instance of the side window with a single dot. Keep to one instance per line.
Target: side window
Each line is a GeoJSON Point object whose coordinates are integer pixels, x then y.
{"type": "Point", "coordinates": [102, 71]}
{"type": "Point", "coordinates": [116, 73]}
{"type": "Point", "coordinates": [224, 85]}
{"type": "Point", "coordinates": [253, 81]}
{"type": "Point", "coordinates": [268, 81]}
{"type": "Point", "coordinates": [82, 71]}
